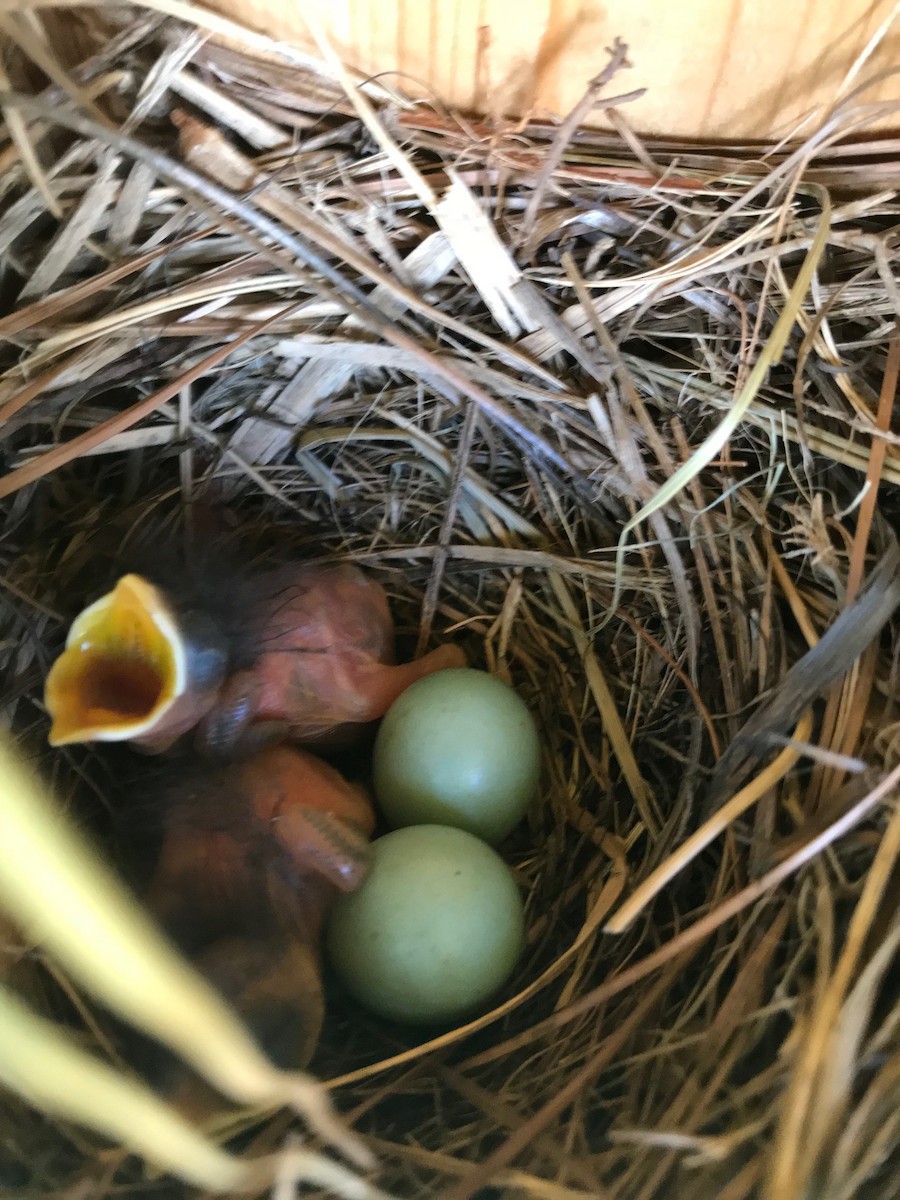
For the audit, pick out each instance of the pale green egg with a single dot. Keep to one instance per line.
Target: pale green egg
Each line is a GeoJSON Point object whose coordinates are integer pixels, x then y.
{"type": "Point", "coordinates": [457, 748]}
{"type": "Point", "coordinates": [435, 929]}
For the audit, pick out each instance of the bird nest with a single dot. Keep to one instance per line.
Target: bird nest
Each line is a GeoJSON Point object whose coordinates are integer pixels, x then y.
{"type": "Point", "coordinates": [616, 416]}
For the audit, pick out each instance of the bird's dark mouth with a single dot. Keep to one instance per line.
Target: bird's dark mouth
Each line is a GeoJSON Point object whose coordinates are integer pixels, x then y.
{"type": "Point", "coordinates": [127, 686]}
{"type": "Point", "coordinates": [122, 668]}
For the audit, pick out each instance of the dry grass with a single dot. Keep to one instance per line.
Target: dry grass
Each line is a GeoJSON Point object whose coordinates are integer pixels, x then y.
{"type": "Point", "coordinates": [617, 414]}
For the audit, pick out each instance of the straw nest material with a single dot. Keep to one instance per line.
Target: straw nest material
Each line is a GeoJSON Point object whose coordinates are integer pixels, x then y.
{"type": "Point", "coordinates": [618, 417]}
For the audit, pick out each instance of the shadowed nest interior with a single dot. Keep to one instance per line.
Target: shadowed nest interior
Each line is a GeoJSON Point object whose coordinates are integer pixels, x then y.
{"type": "Point", "coordinates": [489, 364]}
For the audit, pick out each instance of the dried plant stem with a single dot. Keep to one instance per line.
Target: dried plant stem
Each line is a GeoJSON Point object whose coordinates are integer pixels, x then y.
{"type": "Point", "coordinates": [843, 735]}
{"type": "Point", "coordinates": [711, 829]}
{"type": "Point", "coordinates": [87, 918]}
{"type": "Point", "coordinates": [811, 1107]}
{"type": "Point", "coordinates": [72, 450]}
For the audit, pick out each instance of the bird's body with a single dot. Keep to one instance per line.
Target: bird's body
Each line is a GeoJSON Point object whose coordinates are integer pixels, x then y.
{"type": "Point", "coordinates": [324, 663]}
{"type": "Point", "coordinates": [310, 660]}
{"type": "Point", "coordinates": [282, 814]}
{"type": "Point", "coordinates": [252, 856]}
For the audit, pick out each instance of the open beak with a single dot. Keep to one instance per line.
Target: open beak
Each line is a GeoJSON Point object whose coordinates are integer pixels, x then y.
{"type": "Point", "coordinates": [125, 674]}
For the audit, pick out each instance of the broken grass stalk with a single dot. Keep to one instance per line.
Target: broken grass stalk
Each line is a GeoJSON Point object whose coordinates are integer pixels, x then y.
{"type": "Point", "coordinates": [66, 898]}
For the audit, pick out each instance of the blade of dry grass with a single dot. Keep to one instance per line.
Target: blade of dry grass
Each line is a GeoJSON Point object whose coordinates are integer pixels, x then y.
{"type": "Point", "coordinates": [846, 708]}
{"type": "Point", "coordinates": [821, 1082]}
{"type": "Point", "coordinates": [771, 354]}
{"type": "Point", "coordinates": [49, 1070]}
{"type": "Point", "coordinates": [87, 918]}
{"type": "Point", "coordinates": [711, 829]}
{"type": "Point", "coordinates": [70, 451]}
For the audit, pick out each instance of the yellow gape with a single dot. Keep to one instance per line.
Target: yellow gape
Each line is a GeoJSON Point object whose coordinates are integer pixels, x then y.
{"type": "Point", "coordinates": [122, 671]}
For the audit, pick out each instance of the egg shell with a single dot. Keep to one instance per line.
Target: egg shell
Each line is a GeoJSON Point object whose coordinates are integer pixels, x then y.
{"type": "Point", "coordinates": [457, 748]}
{"type": "Point", "coordinates": [434, 931]}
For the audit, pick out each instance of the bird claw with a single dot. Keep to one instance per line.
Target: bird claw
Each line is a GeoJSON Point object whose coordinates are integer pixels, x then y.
{"type": "Point", "coordinates": [324, 844]}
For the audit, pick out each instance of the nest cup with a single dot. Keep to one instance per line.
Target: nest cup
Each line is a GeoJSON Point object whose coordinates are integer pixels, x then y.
{"type": "Point", "coordinates": [491, 384]}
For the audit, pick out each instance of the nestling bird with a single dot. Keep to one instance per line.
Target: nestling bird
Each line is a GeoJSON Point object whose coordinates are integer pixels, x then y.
{"type": "Point", "coordinates": [252, 857]}
{"type": "Point", "coordinates": [309, 658]}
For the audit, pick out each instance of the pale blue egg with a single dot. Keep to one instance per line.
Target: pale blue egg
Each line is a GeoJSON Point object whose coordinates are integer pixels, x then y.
{"type": "Point", "coordinates": [434, 931]}
{"type": "Point", "coordinates": [457, 748]}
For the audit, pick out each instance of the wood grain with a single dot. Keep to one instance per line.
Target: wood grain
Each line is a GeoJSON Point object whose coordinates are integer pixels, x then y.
{"type": "Point", "coordinates": [713, 68]}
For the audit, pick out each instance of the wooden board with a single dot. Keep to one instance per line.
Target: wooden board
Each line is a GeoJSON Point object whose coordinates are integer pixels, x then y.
{"type": "Point", "coordinates": [713, 68]}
